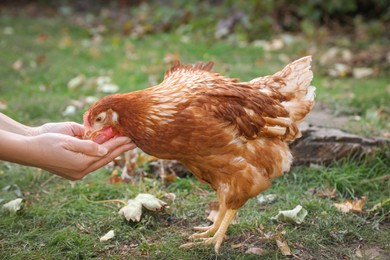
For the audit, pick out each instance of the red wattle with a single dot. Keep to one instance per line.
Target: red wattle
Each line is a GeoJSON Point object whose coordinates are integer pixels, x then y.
{"type": "Point", "coordinates": [104, 135]}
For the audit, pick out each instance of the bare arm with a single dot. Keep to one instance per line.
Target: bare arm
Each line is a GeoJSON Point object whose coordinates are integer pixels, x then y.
{"type": "Point", "coordinates": [55, 147]}
{"type": "Point", "coordinates": [10, 125]}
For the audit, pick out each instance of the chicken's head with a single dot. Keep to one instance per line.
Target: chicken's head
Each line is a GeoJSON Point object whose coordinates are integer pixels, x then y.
{"type": "Point", "coordinates": [100, 126]}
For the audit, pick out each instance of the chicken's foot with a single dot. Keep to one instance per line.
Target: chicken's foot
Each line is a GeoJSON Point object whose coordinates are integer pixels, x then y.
{"type": "Point", "coordinates": [210, 230]}
{"type": "Point", "coordinates": [219, 236]}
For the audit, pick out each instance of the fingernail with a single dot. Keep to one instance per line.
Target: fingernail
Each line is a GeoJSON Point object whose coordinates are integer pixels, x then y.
{"type": "Point", "coordinates": [102, 150]}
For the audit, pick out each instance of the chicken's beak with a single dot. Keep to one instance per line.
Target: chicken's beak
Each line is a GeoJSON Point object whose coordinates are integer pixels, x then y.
{"type": "Point", "coordinates": [100, 135]}
{"type": "Point", "coordinates": [89, 134]}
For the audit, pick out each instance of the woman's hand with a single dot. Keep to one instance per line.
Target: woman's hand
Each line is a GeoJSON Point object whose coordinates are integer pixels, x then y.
{"type": "Point", "coordinates": [57, 148]}
{"type": "Point", "coordinates": [66, 128]}
{"type": "Point", "coordinates": [72, 158]}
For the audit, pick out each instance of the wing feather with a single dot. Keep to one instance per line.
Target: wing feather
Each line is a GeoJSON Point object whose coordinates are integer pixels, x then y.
{"type": "Point", "coordinates": [251, 112]}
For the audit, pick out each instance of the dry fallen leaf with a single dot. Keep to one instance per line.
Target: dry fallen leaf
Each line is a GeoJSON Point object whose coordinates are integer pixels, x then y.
{"type": "Point", "coordinates": [379, 205]}
{"type": "Point", "coordinates": [132, 211]}
{"type": "Point", "coordinates": [69, 111]}
{"type": "Point", "coordinates": [168, 177]}
{"type": "Point", "coordinates": [360, 73]}
{"type": "Point", "coordinates": [283, 246]}
{"type": "Point", "coordinates": [170, 196]}
{"type": "Point", "coordinates": [339, 70]}
{"type": "Point", "coordinates": [130, 165]}
{"type": "Point", "coordinates": [108, 88]}
{"type": "Point", "coordinates": [17, 65]}
{"type": "Point", "coordinates": [107, 236]}
{"type": "Point", "coordinates": [114, 178]}
{"type": "Point", "coordinates": [41, 58]}
{"type": "Point", "coordinates": [42, 37]}
{"type": "Point", "coordinates": [351, 205]}
{"type": "Point", "coordinates": [294, 216]}
{"type": "Point", "coordinates": [170, 58]}
{"type": "Point", "coordinates": [373, 253]}
{"type": "Point", "coordinates": [358, 253]}
{"type": "Point", "coordinates": [13, 187]}
{"type": "Point", "coordinates": [266, 199]}
{"type": "Point", "coordinates": [150, 202]}
{"type": "Point", "coordinates": [256, 251]}
{"type": "Point", "coordinates": [3, 105]}
{"type": "Point", "coordinates": [13, 206]}
{"type": "Point", "coordinates": [82, 228]}
{"type": "Point", "coordinates": [65, 42]}
{"type": "Point", "coordinates": [8, 30]}
{"type": "Point", "coordinates": [91, 99]}
{"type": "Point", "coordinates": [327, 193]}
{"type": "Point", "coordinates": [76, 82]}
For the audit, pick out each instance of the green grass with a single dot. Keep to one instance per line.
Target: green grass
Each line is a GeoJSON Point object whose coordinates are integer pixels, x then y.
{"type": "Point", "coordinates": [58, 222]}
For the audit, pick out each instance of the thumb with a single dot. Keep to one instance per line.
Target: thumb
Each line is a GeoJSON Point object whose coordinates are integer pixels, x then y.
{"type": "Point", "coordinates": [76, 129]}
{"type": "Point", "coordinates": [87, 147]}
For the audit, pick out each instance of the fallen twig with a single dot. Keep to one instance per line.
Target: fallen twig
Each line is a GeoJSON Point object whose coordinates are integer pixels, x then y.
{"type": "Point", "coordinates": [100, 201]}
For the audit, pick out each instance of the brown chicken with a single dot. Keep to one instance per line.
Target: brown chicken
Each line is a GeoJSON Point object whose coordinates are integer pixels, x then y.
{"type": "Point", "coordinates": [232, 135]}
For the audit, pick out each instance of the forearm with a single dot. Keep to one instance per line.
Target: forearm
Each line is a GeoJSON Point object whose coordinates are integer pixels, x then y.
{"type": "Point", "coordinates": [10, 125]}
{"type": "Point", "coordinates": [14, 148]}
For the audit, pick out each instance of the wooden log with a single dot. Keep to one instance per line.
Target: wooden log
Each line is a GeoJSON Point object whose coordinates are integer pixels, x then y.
{"type": "Point", "coordinates": [320, 145]}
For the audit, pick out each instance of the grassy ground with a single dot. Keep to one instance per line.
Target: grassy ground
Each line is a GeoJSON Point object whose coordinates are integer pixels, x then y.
{"type": "Point", "coordinates": [40, 55]}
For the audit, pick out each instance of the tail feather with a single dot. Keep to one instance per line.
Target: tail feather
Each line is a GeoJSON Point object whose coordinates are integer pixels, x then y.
{"type": "Point", "coordinates": [292, 87]}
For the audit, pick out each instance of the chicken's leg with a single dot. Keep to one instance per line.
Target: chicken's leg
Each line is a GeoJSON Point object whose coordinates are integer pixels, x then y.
{"type": "Point", "coordinates": [210, 230]}
{"type": "Point", "coordinates": [219, 236]}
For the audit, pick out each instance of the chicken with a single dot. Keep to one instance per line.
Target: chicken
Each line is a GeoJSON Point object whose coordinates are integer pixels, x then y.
{"type": "Point", "coordinates": [233, 136]}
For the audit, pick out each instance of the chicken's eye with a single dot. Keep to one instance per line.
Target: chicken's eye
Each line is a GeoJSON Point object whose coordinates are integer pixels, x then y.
{"type": "Point", "coordinates": [100, 117]}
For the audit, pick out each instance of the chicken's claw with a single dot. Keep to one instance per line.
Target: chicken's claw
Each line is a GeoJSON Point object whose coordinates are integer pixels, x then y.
{"type": "Point", "coordinates": [207, 232]}
{"type": "Point", "coordinates": [216, 240]}
{"type": "Point", "coordinates": [203, 228]}
{"type": "Point", "coordinates": [188, 245]}
{"type": "Point", "coordinates": [217, 231]}
{"type": "Point", "coordinates": [196, 236]}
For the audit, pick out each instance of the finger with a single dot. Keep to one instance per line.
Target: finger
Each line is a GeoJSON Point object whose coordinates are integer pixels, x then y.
{"type": "Point", "coordinates": [116, 142]}
{"type": "Point", "coordinates": [77, 129]}
{"type": "Point", "coordinates": [87, 147]}
{"type": "Point", "coordinates": [109, 157]}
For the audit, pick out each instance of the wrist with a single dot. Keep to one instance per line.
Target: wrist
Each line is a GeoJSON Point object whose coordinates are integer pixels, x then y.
{"type": "Point", "coordinates": [16, 148]}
